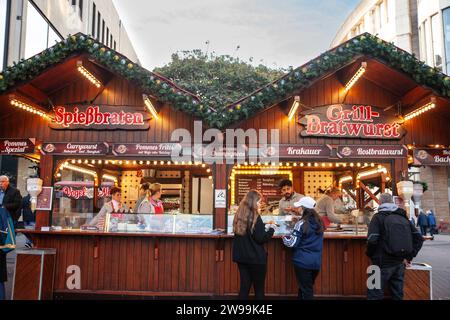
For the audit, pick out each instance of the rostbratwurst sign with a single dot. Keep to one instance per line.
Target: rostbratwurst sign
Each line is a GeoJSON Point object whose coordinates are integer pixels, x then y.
{"type": "Point", "coordinates": [17, 146]}
{"type": "Point", "coordinates": [370, 152]}
{"type": "Point", "coordinates": [99, 118]}
{"type": "Point", "coordinates": [350, 121]}
{"type": "Point", "coordinates": [75, 148]}
{"type": "Point", "coordinates": [432, 157]}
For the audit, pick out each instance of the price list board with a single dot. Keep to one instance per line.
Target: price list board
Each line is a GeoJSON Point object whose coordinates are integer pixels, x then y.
{"type": "Point", "coordinates": [267, 185]}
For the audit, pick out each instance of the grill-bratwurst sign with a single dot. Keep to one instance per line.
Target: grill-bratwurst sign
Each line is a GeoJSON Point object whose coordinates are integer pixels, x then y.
{"type": "Point", "coordinates": [350, 121]}
{"type": "Point", "coordinates": [99, 118]}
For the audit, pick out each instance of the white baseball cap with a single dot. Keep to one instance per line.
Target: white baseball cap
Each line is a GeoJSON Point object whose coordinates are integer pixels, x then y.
{"type": "Point", "coordinates": [305, 202]}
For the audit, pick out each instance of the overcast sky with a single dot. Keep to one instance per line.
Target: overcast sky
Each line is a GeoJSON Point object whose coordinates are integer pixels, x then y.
{"type": "Point", "coordinates": [280, 33]}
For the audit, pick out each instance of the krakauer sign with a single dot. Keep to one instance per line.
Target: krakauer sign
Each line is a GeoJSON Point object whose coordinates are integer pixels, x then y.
{"type": "Point", "coordinates": [350, 121]}
{"type": "Point", "coordinates": [99, 118]}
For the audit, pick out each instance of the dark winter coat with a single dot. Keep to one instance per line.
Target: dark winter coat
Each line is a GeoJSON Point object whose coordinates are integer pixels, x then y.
{"type": "Point", "coordinates": [249, 248]}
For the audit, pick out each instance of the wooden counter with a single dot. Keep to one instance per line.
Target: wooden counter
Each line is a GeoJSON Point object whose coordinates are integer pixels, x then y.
{"type": "Point", "coordinates": [191, 265]}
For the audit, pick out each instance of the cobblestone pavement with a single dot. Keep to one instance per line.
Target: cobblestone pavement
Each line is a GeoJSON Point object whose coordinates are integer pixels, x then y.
{"type": "Point", "coordinates": [435, 253]}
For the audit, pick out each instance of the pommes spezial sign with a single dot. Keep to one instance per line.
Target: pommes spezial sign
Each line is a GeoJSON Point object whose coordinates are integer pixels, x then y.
{"type": "Point", "coordinates": [350, 121]}
{"type": "Point", "coordinates": [99, 118]}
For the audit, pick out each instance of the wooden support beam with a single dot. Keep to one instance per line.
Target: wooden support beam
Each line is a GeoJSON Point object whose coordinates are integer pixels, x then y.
{"type": "Point", "coordinates": [363, 187]}
{"type": "Point", "coordinates": [351, 194]}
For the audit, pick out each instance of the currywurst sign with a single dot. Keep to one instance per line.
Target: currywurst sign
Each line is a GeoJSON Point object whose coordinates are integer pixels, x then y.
{"type": "Point", "coordinates": [350, 121]}
{"type": "Point", "coordinates": [99, 118]}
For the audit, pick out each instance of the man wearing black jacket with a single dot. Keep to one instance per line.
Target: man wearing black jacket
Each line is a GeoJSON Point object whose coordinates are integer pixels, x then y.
{"type": "Point", "coordinates": [10, 198]}
{"type": "Point", "coordinates": [392, 267]}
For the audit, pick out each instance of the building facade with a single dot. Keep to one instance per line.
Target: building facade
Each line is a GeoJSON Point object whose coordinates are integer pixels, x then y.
{"type": "Point", "coordinates": [28, 27]}
{"type": "Point", "coordinates": [391, 20]}
{"type": "Point", "coordinates": [421, 27]}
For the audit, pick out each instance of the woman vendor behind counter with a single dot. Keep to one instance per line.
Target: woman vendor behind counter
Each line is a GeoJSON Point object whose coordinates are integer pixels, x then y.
{"type": "Point", "coordinates": [113, 206]}
{"type": "Point", "coordinates": [152, 203]}
{"type": "Point", "coordinates": [325, 207]}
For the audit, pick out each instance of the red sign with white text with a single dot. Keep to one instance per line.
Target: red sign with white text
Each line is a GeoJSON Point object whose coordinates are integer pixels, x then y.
{"type": "Point", "coordinates": [350, 121]}
{"type": "Point", "coordinates": [99, 118]}
{"type": "Point", "coordinates": [17, 146]}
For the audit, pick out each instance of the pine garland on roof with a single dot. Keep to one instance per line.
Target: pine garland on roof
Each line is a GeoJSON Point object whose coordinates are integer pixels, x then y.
{"type": "Point", "coordinates": [363, 45]}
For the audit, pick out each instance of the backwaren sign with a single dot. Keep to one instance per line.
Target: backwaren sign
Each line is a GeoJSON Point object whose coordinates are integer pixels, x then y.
{"type": "Point", "coordinates": [432, 157]}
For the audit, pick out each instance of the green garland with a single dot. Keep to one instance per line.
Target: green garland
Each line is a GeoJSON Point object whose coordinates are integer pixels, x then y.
{"type": "Point", "coordinates": [28, 69]}
{"type": "Point", "coordinates": [363, 45]}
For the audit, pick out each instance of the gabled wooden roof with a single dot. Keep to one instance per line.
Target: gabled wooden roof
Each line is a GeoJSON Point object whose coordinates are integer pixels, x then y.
{"type": "Point", "coordinates": [47, 71]}
{"type": "Point", "coordinates": [390, 67]}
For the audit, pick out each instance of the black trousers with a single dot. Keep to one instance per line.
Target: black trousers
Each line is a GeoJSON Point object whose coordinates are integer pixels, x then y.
{"type": "Point", "coordinates": [392, 276]}
{"type": "Point", "coordinates": [305, 281]}
{"type": "Point", "coordinates": [252, 275]}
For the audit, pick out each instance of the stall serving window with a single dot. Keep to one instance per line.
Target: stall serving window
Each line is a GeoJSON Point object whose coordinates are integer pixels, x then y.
{"type": "Point", "coordinates": [180, 196]}
{"type": "Point", "coordinates": [360, 185]}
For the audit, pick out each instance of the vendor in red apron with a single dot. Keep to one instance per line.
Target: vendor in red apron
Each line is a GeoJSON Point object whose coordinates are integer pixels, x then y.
{"type": "Point", "coordinates": [325, 207]}
{"type": "Point", "coordinates": [113, 206]}
{"type": "Point", "coordinates": [155, 192]}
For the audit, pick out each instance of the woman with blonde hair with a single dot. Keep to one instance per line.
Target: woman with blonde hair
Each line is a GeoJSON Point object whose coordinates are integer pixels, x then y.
{"type": "Point", "coordinates": [152, 202]}
{"type": "Point", "coordinates": [250, 234]}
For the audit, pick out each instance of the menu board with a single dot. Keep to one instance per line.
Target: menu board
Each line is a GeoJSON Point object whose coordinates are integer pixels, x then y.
{"type": "Point", "coordinates": [267, 185]}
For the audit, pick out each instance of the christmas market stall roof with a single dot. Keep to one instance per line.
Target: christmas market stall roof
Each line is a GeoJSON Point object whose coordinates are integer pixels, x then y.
{"type": "Point", "coordinates": [44, 74]}
{"type": "Point", "coordinates": [387, 66]}
{"type": "Point", "coordinates": [391, 68]}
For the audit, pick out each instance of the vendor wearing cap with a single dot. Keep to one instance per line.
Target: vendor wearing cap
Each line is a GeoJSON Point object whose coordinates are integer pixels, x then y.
{"type": "Point", "coordinates": [286, 204]}
{"type": "Point", "coordinates": [306, 240]}
{"type": "Point", "coordinates": [326, 205]}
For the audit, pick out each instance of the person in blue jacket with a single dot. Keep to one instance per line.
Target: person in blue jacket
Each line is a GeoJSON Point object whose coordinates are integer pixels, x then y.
{"type": "Point", "coordinates": [306, 241]}
{"type": "Point", "coordinates": [422, 223]}
{"type": "Point", "coordinates": [431, 222]}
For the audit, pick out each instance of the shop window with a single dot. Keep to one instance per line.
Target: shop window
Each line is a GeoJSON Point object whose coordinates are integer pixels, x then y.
{"type": "Point", "coordinates": [39, 33]}
{"type": "Point", "coordinates": [94, 13]}
{"type": "Point", "coordinates": [4, 17]}
{"type": "Point", "coordinates": [437, 41]}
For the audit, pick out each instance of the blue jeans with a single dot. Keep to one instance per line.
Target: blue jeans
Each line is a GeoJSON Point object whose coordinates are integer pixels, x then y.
{"type": "Point", "coordinates": [2, 291]}
{"type": "Point", "coordinates": [423, 230]}
{"type": "Point", "coordinates": [394, 276]}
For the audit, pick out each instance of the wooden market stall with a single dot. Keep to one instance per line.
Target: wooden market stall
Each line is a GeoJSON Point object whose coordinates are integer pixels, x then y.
{"type": "Point", "coordinates": [94, 113]}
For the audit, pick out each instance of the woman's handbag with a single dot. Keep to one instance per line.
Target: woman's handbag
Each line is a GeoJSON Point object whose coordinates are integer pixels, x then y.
{"type": "Point", "coordinates": [7, 232]}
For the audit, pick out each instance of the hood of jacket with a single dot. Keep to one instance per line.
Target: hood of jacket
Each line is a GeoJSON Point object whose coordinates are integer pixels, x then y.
{"type": "Point", "coordinates": [388, 207]}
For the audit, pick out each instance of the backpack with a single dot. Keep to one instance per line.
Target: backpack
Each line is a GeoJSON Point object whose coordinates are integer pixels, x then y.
{"type": "Point", "coordinates": [7, 232]}
{"type": "Point", "coordinates": [398, 240]}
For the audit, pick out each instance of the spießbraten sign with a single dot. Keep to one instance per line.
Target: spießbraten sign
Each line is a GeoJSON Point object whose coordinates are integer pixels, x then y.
{"type": "Point", "coordinates": [350, 121]}
{"type": "Point", "coordinates": [99, 118]}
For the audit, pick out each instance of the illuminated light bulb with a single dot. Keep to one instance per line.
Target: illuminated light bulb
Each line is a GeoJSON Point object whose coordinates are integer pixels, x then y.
{"type": "Point", "coordinates": [182, 162]}
{"type": "Point", "coordinates": [203, 165]}
{"type": "Point", "coordinates": [93, 162]}
{"type": "Point", "coordinates": [208, 170]}
{"type": "Point", "coordinates": [127, 162]}
{"type": "Point", "coordinates": [259, 163]}
{"type": "Point", "coordinates": [309, 164]}
{"type": "Point", "coordinates": [316, 164]}
{"type": "Point", "coordinates": [210, 177]}
{"type": "Point", "coordinates": [337, 165]}
{"type": "Point", "coordinates": [323, 165]}
{"type": "Point", "coordinates": [358, 164]}
{"type": "Point", "coordinates": [266, 163]}
{"type": "Point", "coordinates": [148, 162]}
{"type": "Point", "coordinates": [295, 164]}
{"type": "Point", "coordinates": [134, 162]}
{"type": "Point", "coordinates": [352, 164]}
{"type": "Point", "coordinates": [169, 163]}
{"type": "Point", "coordinates": [106, 162]}
{"type": "Point", "coordinates": [89, 76]}
{"type": "Point", "coordinates": [176, 162]}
